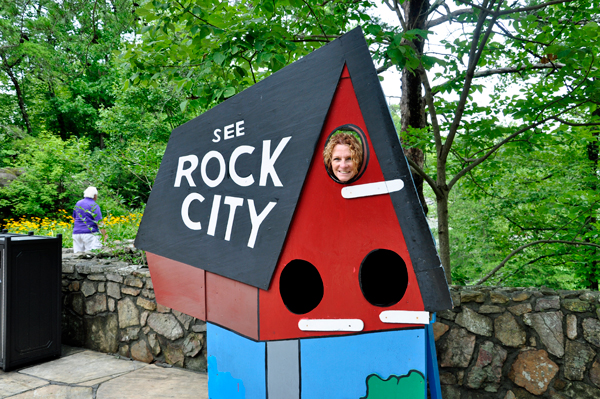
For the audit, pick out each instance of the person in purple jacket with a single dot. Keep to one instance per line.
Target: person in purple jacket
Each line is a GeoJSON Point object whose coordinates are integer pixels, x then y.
{"type": "Point", "coordinates": [88, 222]}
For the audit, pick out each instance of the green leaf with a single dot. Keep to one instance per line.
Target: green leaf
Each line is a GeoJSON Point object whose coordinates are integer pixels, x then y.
{"type": "Point", "coordinates": [183, 105]}
{"type": "Point", "coordinates": [229, 91]}
{"type": "Point", "coordinates": [267, 5]}
{"type": "Point", "coordinates": [263, 57]}
{"type": "Point", "coordinates": [373, 29]}
{"type": "Point", "coordinates": [219, 58]}
{"type": "Point", "coordinates": [429, 61]}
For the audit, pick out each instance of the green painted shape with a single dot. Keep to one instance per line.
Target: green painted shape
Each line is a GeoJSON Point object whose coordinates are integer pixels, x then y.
{"type": "Point", "coordinates": [411, 386]}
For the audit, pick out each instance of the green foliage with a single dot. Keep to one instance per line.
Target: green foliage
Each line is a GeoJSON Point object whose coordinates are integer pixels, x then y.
{"type": "Point", "coordinates": [136, 130]}
{"type": "Point", "coordinates": [212, 50]}
{"type": "Point", "coordinates": [73, 110]}
{"type": "Point", "coordinates": [55, 62]}
{"type": "Point", "coordinates": [142, 113]}
{"type": "Point", "coordinates": [510, 162]}
{"type": "Point", "coordinates": [70, 88]}
{"type": "Point", "coordinates": [53, 175]}
{"type": "Point", "coordinates": [128, 171]}
{"type": "Point", "coordinates": [530, 192]}
{"type": "Point", "coordinates": [8, 152]}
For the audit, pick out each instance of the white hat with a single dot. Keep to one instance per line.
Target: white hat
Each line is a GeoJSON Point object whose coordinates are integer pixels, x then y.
{"type": "Point", "coordinates": [90, 192]}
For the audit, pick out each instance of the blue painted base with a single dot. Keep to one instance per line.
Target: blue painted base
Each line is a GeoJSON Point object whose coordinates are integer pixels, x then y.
{"type": "Point", "coordinates": [393, 362]}
{"type": "Point", "coordinates": [433, 372]}
{"type": "Point", "coordinates": [236, 365]}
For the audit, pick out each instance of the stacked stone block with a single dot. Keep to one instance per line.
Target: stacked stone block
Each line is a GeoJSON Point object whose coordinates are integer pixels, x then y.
{"type": "Point", "coordinates": [519, 343]}
{"type": "Point", "coordinates": [109, 306]}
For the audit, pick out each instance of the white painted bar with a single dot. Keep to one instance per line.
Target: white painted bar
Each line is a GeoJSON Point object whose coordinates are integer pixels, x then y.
{"type": "Point", "coordinates": [394, 185]}
{"type": "Point", "coordinates": [331, 325]}
{"type": "Point", "coordinates": [404, 317]}
{"type": "Point", "coordinates": [370, 189]}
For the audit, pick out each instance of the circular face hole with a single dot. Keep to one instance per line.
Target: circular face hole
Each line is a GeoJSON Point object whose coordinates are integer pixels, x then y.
{"type": "Point", "coordinates": [383, 277]}
{"type": "Point", "coordinates": [300, 286]}
{"type": "Point", "coordinates": [346, 154]}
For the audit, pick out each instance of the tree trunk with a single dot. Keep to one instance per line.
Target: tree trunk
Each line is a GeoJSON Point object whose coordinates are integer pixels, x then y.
{"type": "Point", "coordinates": [412, 114]}
{"type": "Point", "coordinates": [59, 117]}
{"type": "Point", "coordinates": [412, 105]}
{"type": "Point", "coordinates": [444, 234]}
{"type": "Point", "coordinates": [593, 152]}
{"type": "Point", "coordinates": [8, 69]}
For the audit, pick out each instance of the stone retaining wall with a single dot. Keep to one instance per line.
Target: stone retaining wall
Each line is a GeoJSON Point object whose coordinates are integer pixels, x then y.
{"type": "Point", "coordinates": [496, 343]}
{"type": "Point", "coordinates": [109, 306]}
{"type": "Point", "coordinates": [519, 343]}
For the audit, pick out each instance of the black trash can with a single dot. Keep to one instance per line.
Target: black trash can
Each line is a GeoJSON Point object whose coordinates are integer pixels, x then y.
{"type": "Point", "coordinates": [30, 306]}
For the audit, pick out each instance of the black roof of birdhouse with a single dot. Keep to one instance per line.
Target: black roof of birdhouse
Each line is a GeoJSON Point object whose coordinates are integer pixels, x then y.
{"type": "Point", "coordinates": [230, 179]}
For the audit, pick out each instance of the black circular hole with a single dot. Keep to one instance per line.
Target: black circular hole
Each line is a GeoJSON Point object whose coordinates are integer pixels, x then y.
{"type": "Point", "coordinates": [300, 286]}
{"type": "Point", "coordinates": [383, 277]}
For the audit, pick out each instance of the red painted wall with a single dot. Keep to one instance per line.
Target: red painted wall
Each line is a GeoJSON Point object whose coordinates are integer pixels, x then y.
{"type": "Point", "coordinates": [335, 234]}
{"type": "Point", "coordinates": [232, 304]}
{"type": "Point", "coordinates": [178, 286]}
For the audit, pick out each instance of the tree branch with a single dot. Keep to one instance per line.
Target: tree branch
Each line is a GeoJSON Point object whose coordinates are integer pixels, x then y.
{"type": "Point", "coordinates": [313, 40]}
{"type": "Point", "coordinates": [315, 17]}
{"type": "Point", "coordinates": [490, 72]}
{"type": "Point", "coordinates": [424, 175]}
{"type": "Point", "coordinates": [314, 37]}
{"type": "Point", "coordinates": [564, 122]}
{"type": "Point", "coordinates": [531, 8]}
{"type": "Point", "coordinates": [483, 189]}
{"type": "Point", "coordinates": [569, 221]}
{"type": "Point", "coordinates": [522, 247]}
{"type": "Point", "coordinates": [249, 61]}
{"type": "Point", "coordinates": [384, 68]}
{"type": "Point", "coordinates": [527, 264]}
{"type": "Point", "coordinates": [526, 228]}
{"type": "Point", "coordinates": [9, 65]}
{"type": "Point", "coordinates": [478, 7]}
{"type": "Point", "coordinates": [477, 47]}
{"type": "Point", "coordinates": [500, 71]}
{"type": "Point", "coordinates": [396, 9]}
{"type": "Point", "coordinates": [431, 108]}
{"type": "Point", "coordinates": [194, 15]}
{"type": "Point", "coordinates": [501, 143]}
{"type": "Point", "coordinates": [583, 80]}
{"type": "Point", "coordinates": [506, 33]}
{"type": "Point", "coordinates": [2, 48]}
{"type": "Point", "coordinates": [448, 17]}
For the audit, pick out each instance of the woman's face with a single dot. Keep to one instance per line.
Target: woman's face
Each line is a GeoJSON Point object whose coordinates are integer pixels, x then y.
{"type": "Point", "coordinates": [342, 165]}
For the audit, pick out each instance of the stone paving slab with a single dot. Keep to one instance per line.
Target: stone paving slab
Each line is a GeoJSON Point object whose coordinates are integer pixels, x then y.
{"type": "Point", "coordinates": [14, 383]}
{"type": "Point", "coordinates": [84, 374]}
{"type": "Point", "coordinates": [82, 367]}
{"type": "Point", "coordinates": [97, 381]}
{"type": "Point", "coordinates": [57, 392]}
{"type": "Point", "coordinates": [155, 382]}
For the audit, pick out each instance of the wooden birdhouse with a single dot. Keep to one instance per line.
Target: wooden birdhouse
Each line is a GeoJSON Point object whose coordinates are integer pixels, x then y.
{"type": "Point", "coordinates": [315, 280]}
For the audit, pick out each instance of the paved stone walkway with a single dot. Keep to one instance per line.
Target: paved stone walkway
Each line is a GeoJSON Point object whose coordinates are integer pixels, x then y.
{"type": "Point", "coordinates": [84, 374]}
